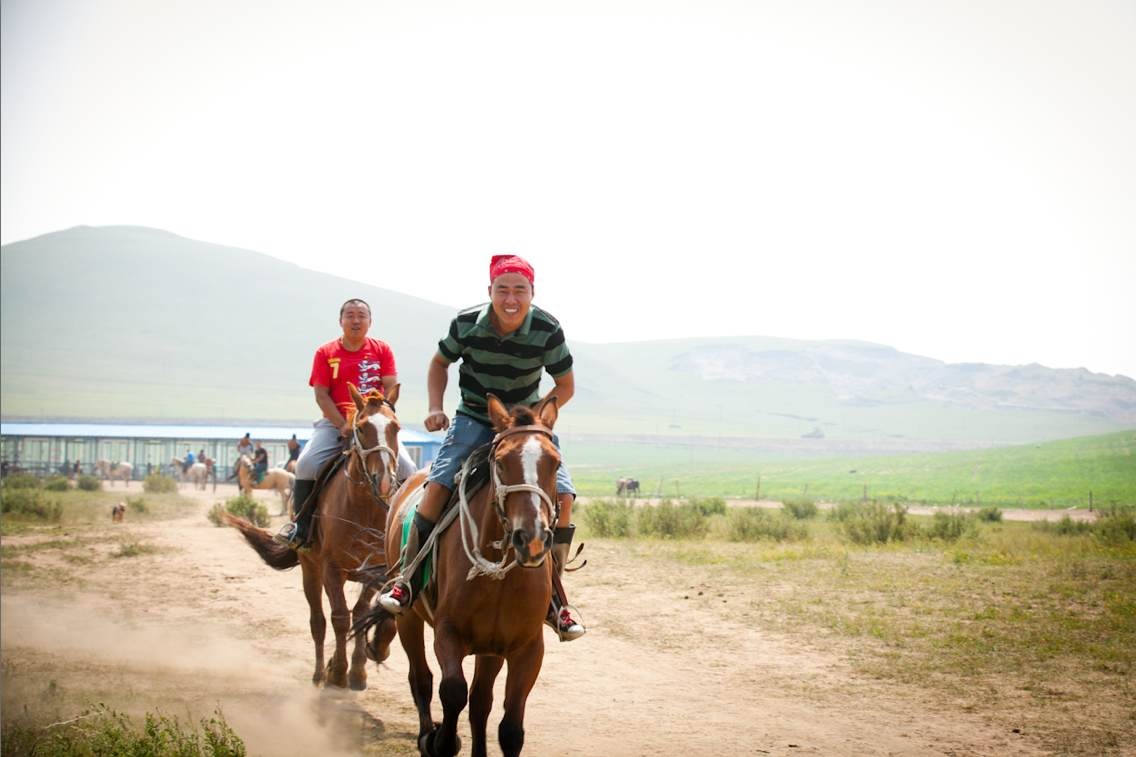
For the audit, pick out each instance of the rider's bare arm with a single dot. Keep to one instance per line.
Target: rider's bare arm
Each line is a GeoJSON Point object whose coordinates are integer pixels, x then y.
{"type": "Point", "coordinates": [437, 376]}
{"type": "Point", "coordinates": [330, 411]}
{"type": "Point", "coordinates": [564, 389]}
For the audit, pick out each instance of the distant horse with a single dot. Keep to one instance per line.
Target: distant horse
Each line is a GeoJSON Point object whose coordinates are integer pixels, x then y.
{"type": "Point", "coordinates": [280, 481]}
{"type": "Point", "coordinates": [626, 486]}
{"type": "Point", "coordinates": [246, 476]}
{"type": "Point", "coordinates": [118, 512]}
{"type": "Point", "coordinates": [111, 471]}
{"type": "Point", "coordinates": [347, 544]}
{"type": "Point", "coordinates": [195, 474]}
{"type": "Point", "coordinates": [478, 604]}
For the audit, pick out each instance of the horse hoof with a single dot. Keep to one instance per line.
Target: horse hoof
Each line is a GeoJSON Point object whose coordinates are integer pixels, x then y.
{"type": "Point", "coordinates": [359, 684]}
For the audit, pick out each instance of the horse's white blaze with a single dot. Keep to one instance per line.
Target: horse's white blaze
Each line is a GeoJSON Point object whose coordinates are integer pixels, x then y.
{"type": "Point", "coordinates": [530, 456]}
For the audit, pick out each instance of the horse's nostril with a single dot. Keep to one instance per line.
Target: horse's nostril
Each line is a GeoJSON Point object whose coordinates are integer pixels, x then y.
{"type": "Point", "coordinates": [520, 539]}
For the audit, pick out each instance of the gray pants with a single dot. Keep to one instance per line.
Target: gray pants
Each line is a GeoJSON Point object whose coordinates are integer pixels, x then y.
{"type": "Point", "coordinates": [325, 445]}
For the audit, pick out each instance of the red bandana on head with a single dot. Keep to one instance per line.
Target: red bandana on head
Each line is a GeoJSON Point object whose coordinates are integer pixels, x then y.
{"type": "Point", "coordinates": [510, 264]}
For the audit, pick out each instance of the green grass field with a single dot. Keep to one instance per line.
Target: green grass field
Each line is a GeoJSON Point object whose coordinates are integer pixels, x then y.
{"type": "Point", "coordinates": [1052, 474]}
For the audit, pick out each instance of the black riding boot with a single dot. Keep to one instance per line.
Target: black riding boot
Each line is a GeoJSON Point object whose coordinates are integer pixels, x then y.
{"type": "Point", "coordinates": [295, 533]}
{"type": "Point", "coordinates": [405, 589]}
{"type": "Point", "coordinates": [559, 616]}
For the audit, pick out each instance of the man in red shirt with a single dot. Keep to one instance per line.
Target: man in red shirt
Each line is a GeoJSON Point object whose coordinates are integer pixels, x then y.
{"type": "Point", "coordinates": [368, 364]}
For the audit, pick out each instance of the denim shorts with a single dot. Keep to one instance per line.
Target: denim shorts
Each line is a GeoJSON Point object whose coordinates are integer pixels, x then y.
{"type": "Point", "coordinates": [466, 435]}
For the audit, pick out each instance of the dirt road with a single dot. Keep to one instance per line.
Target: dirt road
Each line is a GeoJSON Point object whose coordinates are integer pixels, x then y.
{"type": "Point", "coordinates": [202, 622]}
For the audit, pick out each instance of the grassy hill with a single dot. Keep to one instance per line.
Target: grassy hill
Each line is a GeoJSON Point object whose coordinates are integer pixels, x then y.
{"type": "Point", "coordinates": [134, 323]}
{"type": "Point", "coordinates": [1052, 474]}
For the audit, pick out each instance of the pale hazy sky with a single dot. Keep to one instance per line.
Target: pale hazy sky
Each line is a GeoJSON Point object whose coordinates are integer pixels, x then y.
{"type": "Point", "coordinates": [954, 179]}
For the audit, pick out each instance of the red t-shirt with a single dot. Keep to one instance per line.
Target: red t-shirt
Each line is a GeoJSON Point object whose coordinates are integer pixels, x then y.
{"type": "Point", "coordinates": [335, 365]}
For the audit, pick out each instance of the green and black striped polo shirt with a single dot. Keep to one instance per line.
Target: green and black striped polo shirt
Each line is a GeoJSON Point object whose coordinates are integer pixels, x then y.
{"type": "Point", "coordinates": [507, 367]}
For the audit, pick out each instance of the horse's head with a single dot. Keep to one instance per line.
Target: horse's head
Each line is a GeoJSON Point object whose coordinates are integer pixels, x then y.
{"type": "Point", "coordinates": [524, 462]}
{"type": "Point", "coordinates": [374, 440]}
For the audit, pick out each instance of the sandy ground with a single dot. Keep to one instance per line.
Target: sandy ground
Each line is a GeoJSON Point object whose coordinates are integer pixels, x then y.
{"type": "Point", "coordinates": [203, 623]}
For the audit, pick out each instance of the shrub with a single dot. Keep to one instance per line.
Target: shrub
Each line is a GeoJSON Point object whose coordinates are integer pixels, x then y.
{"type": "Point", "coordinates": [1065, 527]}
{"type": "Point", "coordinates": [1116, 525]}
{"type": "Point", "coordinates": [137, 504]}
{"type": "Point", "coordinates": [990, 514]}
{"type": "Point", "coordinates": [672, 521]}
{"type": "Point", "coordinates": [89, 483]}
{"type": "Point", "coordinates": [843, 512]}
{"type": "Point", "coordinates": [57, 484]}
{"type": "Point", "coordinates": [243, 506]}
{"type": "Point", "coordinates": [31, 503]}
{"type": "Point", "coordinates": [134, 549]}
{"type": "Point", "coordinates": [709, 505]}
{"type": "Point", "coordinates": [157, 483]}
{"type": "Point", "coordinates": [876, 523]}
{"type": "Point", "coordinates": [950, 526]}
{"type": "Point", "coordinates": [21, 481]}
{"type": "Point", "coordinates": [755, 524]}
{"type": "Point", "coordinates": [606, 518]}
{"type": "Point", "coordinates": [102, 731]}
{"type": "Point", "coordinates": [801, 508]}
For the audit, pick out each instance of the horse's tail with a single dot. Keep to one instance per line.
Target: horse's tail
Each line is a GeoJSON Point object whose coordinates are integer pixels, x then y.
{"type": "Point", "coordinates": [274, 555]}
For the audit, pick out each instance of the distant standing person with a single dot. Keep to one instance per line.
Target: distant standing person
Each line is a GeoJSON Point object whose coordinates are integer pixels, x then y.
{"type": "Point", "coordinates": [352, 358]}
{"type": "Point", "coordinates": [260, 462]}
{"type": "Point", "coordinates": [293, 454]}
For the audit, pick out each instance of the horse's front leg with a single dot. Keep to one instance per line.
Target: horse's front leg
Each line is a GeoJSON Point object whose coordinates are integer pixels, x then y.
{"type": "Point", "coordinates": [313, 592]}
{"type": "Point", "coordinates": [524, 667]}
{"type": "Point", "coordinates": [481, 699]}
{"type": "Point", "coordinates": [357, 677]}
{"type": "Point", "coordinates": [410, 627]}
{"type": "Point", "coordinates": [333, 581]}
{"type": "Point", "coordinates": [452, 690]}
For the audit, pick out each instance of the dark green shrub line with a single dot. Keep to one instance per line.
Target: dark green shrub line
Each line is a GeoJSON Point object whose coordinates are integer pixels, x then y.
{"type": "Point", "coordinates": [30, 503]}
{"type": "Point", "coordinates": [89, 483]}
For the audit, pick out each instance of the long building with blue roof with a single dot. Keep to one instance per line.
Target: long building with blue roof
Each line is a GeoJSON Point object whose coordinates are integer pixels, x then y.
{"type": "Point", "coordinates": [44, 447]}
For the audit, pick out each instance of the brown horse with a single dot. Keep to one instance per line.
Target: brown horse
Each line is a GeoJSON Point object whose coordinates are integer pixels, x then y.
{"type": "Point", "coordinates": [347, 544]}
{"type": "Point", "coordinates": [479, 604]}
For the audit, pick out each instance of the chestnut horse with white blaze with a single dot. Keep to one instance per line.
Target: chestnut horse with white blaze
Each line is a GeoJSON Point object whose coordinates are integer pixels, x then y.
{"type": "Point", "coordinates": [491, 588]}
{"type": "Point", "coordinates": [347, 542]}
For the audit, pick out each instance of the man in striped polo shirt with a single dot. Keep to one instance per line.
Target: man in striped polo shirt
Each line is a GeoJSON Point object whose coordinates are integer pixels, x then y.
{"type": "Point", "coordinates": [503, 347]}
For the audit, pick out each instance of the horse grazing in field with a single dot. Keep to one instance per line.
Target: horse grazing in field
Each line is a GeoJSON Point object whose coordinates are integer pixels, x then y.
{"type": "Point", "coordinates": [477, 603]}
{"type": "Point", "coordinates": [347, 544]}
{"type": "Point", "coordinates": [118, 513]}
{"type": "Point", "coordinates": [626, 486]}
{"type": "Point", "coordinates": [111, 471]}
{"type": "Point", "coordinates": [195, 474]}
{"type": "Point", "coordinates": [280, 481]}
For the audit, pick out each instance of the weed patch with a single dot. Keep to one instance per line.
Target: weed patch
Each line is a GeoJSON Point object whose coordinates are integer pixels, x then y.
{"type": "Point", "coordinates": [243, 507]}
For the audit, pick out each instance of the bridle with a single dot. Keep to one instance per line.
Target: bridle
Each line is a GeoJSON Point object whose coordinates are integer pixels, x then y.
{"type": "Point", "coordinates": [468, 528]}
{"type": "Point", "coordinates": [504, 490]}
{"type": "Point", "coordinates": [387, 454]}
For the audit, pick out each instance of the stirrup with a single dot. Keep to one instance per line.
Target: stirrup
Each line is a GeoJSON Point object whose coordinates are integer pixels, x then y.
{"type": "Point", "coordinates": [391, 600]}
{"type": "Point", "coordinates": [563, 624]}
{"type": "Point", "coordinates": [286, 536]}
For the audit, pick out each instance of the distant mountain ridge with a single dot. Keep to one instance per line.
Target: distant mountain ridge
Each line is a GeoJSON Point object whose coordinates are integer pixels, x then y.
{"type": "Point", "coordinates": [134, 323]}
{"type": "Point", "coordinates": [872, 374]}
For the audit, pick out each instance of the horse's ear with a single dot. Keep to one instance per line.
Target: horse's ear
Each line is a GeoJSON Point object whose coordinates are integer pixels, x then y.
{"type": "Point", "coordinates": [356, 397]}
{"type": "Point", "coordinates": [392, 396]}
{"type": "Point", "coordinates": [548, 409]}
{"type": "Point", "coordinates": [498, 415]}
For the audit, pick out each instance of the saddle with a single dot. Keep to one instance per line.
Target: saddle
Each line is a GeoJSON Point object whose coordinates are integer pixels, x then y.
{"type": "Point", "coordinates": [476, 475]}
